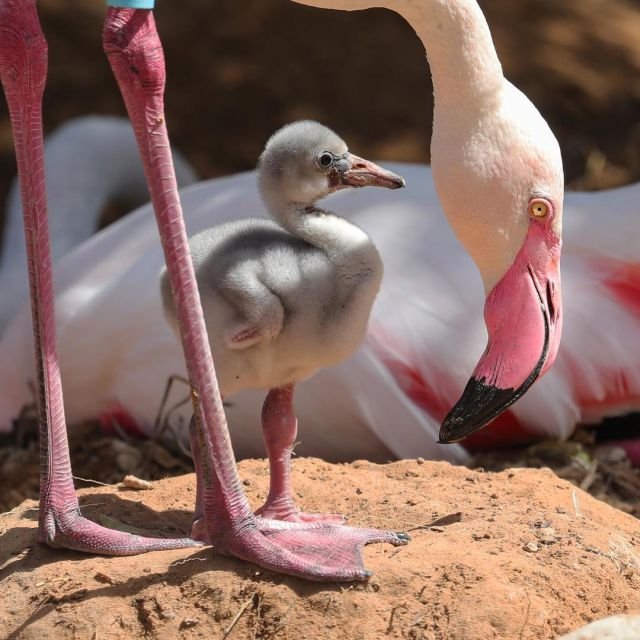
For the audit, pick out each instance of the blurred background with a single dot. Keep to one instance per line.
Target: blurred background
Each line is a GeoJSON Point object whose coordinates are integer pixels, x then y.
{"type": "Point", "coordinates": [237, 71]}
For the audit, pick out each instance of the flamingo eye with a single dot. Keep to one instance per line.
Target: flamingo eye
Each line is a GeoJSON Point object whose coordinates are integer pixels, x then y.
{"type": "Point", "coordinates": [539, 208]}
{"type": "Point", "coordinates": [325, 160]}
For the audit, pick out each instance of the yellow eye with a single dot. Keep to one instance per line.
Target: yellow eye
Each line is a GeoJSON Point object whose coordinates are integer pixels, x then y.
{"type": "Point", "coordinates": [538, 208]}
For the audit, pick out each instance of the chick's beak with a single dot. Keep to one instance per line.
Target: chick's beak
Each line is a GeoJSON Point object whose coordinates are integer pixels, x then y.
{"type": "Point", "coordinates": [359, 172]}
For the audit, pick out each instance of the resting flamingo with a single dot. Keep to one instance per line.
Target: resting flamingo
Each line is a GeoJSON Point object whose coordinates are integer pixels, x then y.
{"type": "Point", "coordinates": [498, 171]}
{"type": "Point", "coordinates": [386, 401]}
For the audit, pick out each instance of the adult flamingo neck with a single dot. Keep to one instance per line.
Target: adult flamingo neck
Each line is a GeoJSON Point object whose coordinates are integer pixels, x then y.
{"type": "Point", "coordinates": [463, 60]}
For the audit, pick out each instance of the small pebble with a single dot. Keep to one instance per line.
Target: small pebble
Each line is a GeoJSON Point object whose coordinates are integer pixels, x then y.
{"type": "Point", "coordinates": [547, 535]}
{"type": "Point", "coordinates": [133, 482]}
{"type": "Point", "coordinates": [104, 578]}
{"type": "Point", "coordinates": [167, 614]}
{"type": "Point", "coordinates": [531, 547]}
{"type": "Point", "coordinates": [480, 536]}
{"type": "Point", "coordinates": [374, 585]}
{"type": "Point", "coordinates": [187, 623]}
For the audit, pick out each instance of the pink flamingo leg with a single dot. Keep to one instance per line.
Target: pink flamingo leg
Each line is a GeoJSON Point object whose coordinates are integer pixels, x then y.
{"type": "Point", "coordinates": [280, 428]}
{"type": "Point", "coordinates": [313, 551]}
{"type": "Point", "coordinates": [198, 526]}
{"type": "Point", "coordinates": [23, 67]}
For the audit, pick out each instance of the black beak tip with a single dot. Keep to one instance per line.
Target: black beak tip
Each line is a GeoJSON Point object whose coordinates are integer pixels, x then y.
{"type": "Point", "coordinates": [454, 431]}
{"type": "Point", "coordinates": [480, 404]}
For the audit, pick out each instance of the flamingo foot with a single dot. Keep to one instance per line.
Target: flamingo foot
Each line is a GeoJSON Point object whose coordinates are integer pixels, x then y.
{"type": "Point", "coordinates": [314, 551]}
{"type": "Point", "coordinates": [68, 529]}
{"type": "Point", "coordinates": [285, 509]}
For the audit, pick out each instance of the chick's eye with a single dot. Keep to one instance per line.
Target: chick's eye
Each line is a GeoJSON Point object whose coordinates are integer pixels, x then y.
{"type": "Point", "coordinates": [539, 208]}
{"type": "Point", "coordinates": [325, 159]}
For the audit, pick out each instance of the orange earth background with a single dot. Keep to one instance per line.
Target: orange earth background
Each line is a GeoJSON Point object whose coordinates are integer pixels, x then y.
{"type": "Point", "coordinates": [520, 554]}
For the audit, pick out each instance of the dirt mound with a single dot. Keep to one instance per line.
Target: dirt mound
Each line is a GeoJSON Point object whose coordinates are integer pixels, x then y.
{"type": "Point", "coordinates": [517, 554]}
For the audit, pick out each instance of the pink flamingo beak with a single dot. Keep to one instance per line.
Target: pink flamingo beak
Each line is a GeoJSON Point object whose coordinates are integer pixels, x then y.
{"type": "Point", "coordinates": [353, 171]}
{"type": "Point", "coordinates": [524, 323]}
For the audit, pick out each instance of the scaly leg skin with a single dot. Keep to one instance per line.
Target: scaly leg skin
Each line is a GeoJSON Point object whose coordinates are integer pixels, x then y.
{"type": "Point", "coordinates": [280, 427]}
{"type": "Point", "coordinates": [23, 68]}
{"type": "Point", "coordinates": [313, 551]}
{"type": "Point", "coordinates": [198, 527]}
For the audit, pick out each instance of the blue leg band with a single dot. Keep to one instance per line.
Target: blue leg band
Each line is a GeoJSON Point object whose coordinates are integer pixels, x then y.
{"type": "Point", "coordinates": [132, 4]}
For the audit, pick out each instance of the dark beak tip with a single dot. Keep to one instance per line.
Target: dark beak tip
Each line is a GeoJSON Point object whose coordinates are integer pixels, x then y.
{"type": "Point", "coordinates": [452, 433]}
{"type": "Point", "coordinates": [479, 405]}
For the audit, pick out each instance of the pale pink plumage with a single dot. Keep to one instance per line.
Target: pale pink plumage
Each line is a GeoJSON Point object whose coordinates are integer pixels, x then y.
{"type": "Point", "coordinates": [425, 335]}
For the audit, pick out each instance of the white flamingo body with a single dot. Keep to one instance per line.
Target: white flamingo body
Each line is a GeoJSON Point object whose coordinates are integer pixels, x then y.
{"type": "Point", "coordinates": [78, 196]}
{"type": "Point", "coordinates": [425, 333]}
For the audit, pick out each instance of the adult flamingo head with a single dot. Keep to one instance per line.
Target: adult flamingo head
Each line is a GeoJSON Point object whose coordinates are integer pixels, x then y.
{"type": "Point", "coordinates": [498, 172]}
{"type": "Point", "coordinates": [507, 213]}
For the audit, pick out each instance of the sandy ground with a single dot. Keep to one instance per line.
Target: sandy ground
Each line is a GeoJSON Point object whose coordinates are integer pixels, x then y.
{"type": "Point", "coordinates": [519, 554]}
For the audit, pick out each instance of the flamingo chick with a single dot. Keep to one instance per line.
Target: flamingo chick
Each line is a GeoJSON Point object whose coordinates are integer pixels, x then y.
{"type": "Point", "coordinates": [284, 298]}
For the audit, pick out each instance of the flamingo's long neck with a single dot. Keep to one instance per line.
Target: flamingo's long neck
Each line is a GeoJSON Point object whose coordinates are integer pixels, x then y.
{"type": "Point", "coordinates": [90, 162]}
{"type": "Point", "coordinates": [347, 246]}
{"type": "Point", "coordinates": [478, 121]}
{"type": "Point", "coordinates": [464, 64]}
